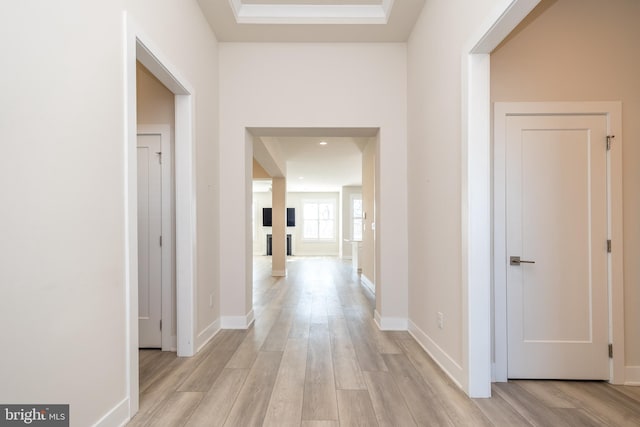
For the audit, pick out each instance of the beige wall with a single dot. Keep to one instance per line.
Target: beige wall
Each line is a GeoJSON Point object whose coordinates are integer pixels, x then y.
{"type": "Point", "coordinates": [586, 50]}
{"type": "Point", "coordinates": [259, 172]}
{"type": "Point", "coordinates": [279, 228]}
{"type": "Point", "coordinates": [435, 52]}
{"type": "Point", "coordinates": [155, 103]}
{"type": "Point", "coordinates": [62, 252]}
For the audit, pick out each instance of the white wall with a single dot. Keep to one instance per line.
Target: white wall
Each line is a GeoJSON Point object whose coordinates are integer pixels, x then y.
{"type": "Point", "coordinates": [62, 299]}
{"type": "Point", "coordinates": [435, 83]}
{"type": "Point", "coordinates": [313, 85]}
{"type": "Point", "coordinates": [585, 50]}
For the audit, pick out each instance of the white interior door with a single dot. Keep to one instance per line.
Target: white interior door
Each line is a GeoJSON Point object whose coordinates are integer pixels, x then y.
{"type": "Point", "coordinates": [149, 244]}
{"type": "Point", "coordinates": [556, 217]}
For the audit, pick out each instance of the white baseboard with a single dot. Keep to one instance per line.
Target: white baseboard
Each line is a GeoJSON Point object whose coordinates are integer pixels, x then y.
{"type": "Point", "coordinates": [632, 375]}
{"type": "Point", "coordinates": [368, 284]}
{"type": "Point", "coordinates": [446, 363]}
{"type": "Point", "coordinates": [116, 417]}
{"type": "Point", "coordinates": [207, 333]}
{"type": "Point", "coordinates": [172, 346]}
{"type": "Point", "coordinates": [237, 322]}
{"type": "Point", "coordinates": [279, 273]}
{"type": "Point", "coordinates": [390, 323]}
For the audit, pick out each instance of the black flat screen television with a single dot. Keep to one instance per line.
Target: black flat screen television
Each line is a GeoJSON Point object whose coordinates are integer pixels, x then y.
{"type": "Point", "coordinates": [267, 220]}
{"type": "Point", "coordinates": [291, 217]}
{"type": "Point", "coordinates": [266, 217]}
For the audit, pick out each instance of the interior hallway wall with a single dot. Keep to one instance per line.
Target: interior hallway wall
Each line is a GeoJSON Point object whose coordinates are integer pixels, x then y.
{"type": "Point", "coordinates": [586, 50]}
{"type": "Point", "coordinates": [435, 85]}
{"type": "Point", "coordinates": [62, 252]}
{"type": "Point", "coordinates": [309, 85]}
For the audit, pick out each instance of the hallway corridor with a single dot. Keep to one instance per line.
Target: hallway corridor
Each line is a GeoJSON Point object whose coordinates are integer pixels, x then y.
{"type": "Point", "coordinates": [314, 357]}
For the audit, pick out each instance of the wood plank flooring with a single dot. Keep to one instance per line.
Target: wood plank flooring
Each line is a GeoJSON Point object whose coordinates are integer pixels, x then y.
{"type": "Point", "coordinates": [314, 357]}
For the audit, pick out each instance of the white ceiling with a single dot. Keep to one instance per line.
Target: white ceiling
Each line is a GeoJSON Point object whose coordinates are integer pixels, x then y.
{"type": "Point", "coordinates": [312, 167]}
{"type": "Point", "coordinates": [311, 20]}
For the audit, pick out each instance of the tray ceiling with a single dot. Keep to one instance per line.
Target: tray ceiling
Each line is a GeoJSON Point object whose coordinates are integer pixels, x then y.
{"type": "Point", "coordinates": [311, 20]}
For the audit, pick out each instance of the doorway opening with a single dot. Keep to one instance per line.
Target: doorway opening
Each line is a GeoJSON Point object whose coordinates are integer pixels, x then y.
{"type": "Point", "coordinates": [326, 170]}
{"type": "Point", "coordinates": [139, 48]}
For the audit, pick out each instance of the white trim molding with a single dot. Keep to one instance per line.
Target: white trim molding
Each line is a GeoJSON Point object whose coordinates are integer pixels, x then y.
{"type": "Point", "coordinates": [117, 416]}
{"type": "Point", "coordinates": [237, 322]}
{"type": "Point", "coordinates": [438, 355]}
{"type": "Point", "coordinates": [207, 334]}
{"type": "Point", "coordinates": [476, 194]}
{"type": "Point", "coordinates": [274, 13]}
{"type": "Point", "coordinates": [368, 284]}
{"type": "Point", "coordinates": [390, 323]}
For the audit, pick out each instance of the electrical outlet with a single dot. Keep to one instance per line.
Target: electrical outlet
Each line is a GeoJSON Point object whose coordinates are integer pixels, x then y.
{"type": "Point", "coordinates": [440, 320]}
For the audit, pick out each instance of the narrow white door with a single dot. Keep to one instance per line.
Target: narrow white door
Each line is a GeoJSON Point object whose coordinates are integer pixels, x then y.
{"type": "Point", "coordinates": [149, 244]}
{"type": "Point", "coordinates": [557, 295]}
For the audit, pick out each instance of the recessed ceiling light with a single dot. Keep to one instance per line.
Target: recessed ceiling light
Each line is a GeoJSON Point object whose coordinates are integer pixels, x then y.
{"type": "Point", "coordinates": [323, 142]}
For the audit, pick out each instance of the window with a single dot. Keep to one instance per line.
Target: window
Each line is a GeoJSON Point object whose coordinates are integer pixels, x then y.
{"type": "Point", "coordinates": [356, 217]}
{"type": "Point", "coordinates": [319, 220]}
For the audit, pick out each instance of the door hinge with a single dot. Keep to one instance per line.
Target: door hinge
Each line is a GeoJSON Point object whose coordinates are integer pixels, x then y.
{"type": "Point", "coordinates": [609, 141]}
{"type": "Point", "coordinates": [159, 153]}
{"type": "Point", "coordinates": [610, 351]}
{"type": "Point", "coordinates": [161, 241]}
{"type": "Point", "coordinates": [609, 246]}
{"type": "Point", "coordinates": [160, 324]}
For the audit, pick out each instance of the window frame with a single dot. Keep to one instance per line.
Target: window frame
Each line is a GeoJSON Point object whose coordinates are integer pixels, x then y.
{"type": "Point", "coordinates": [353, 218]}
{"type": "Point", "coordinates": [319, 201]}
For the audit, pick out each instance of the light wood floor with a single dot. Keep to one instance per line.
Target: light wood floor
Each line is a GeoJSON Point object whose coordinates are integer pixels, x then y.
{"type": "Point", "coordinates": [314, 357]}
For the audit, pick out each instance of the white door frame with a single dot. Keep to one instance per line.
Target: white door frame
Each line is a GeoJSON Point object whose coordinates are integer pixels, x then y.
{"type": "Point", "coordinates": [166, 249]}
{"type": "Point", "coordinates": [476, 190]}
{"type": "Point", "coordinates": [138, 47]}
{"type": "Point", "coordinates": [613, 113]}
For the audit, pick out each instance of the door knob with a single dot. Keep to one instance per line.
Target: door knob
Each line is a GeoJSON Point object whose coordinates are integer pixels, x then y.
{"type": "Point", "coordinates": [515, 260]}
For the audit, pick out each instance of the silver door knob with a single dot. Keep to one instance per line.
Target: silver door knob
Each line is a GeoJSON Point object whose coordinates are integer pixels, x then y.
{"type": "Point", "coordinates": [515, 260]}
